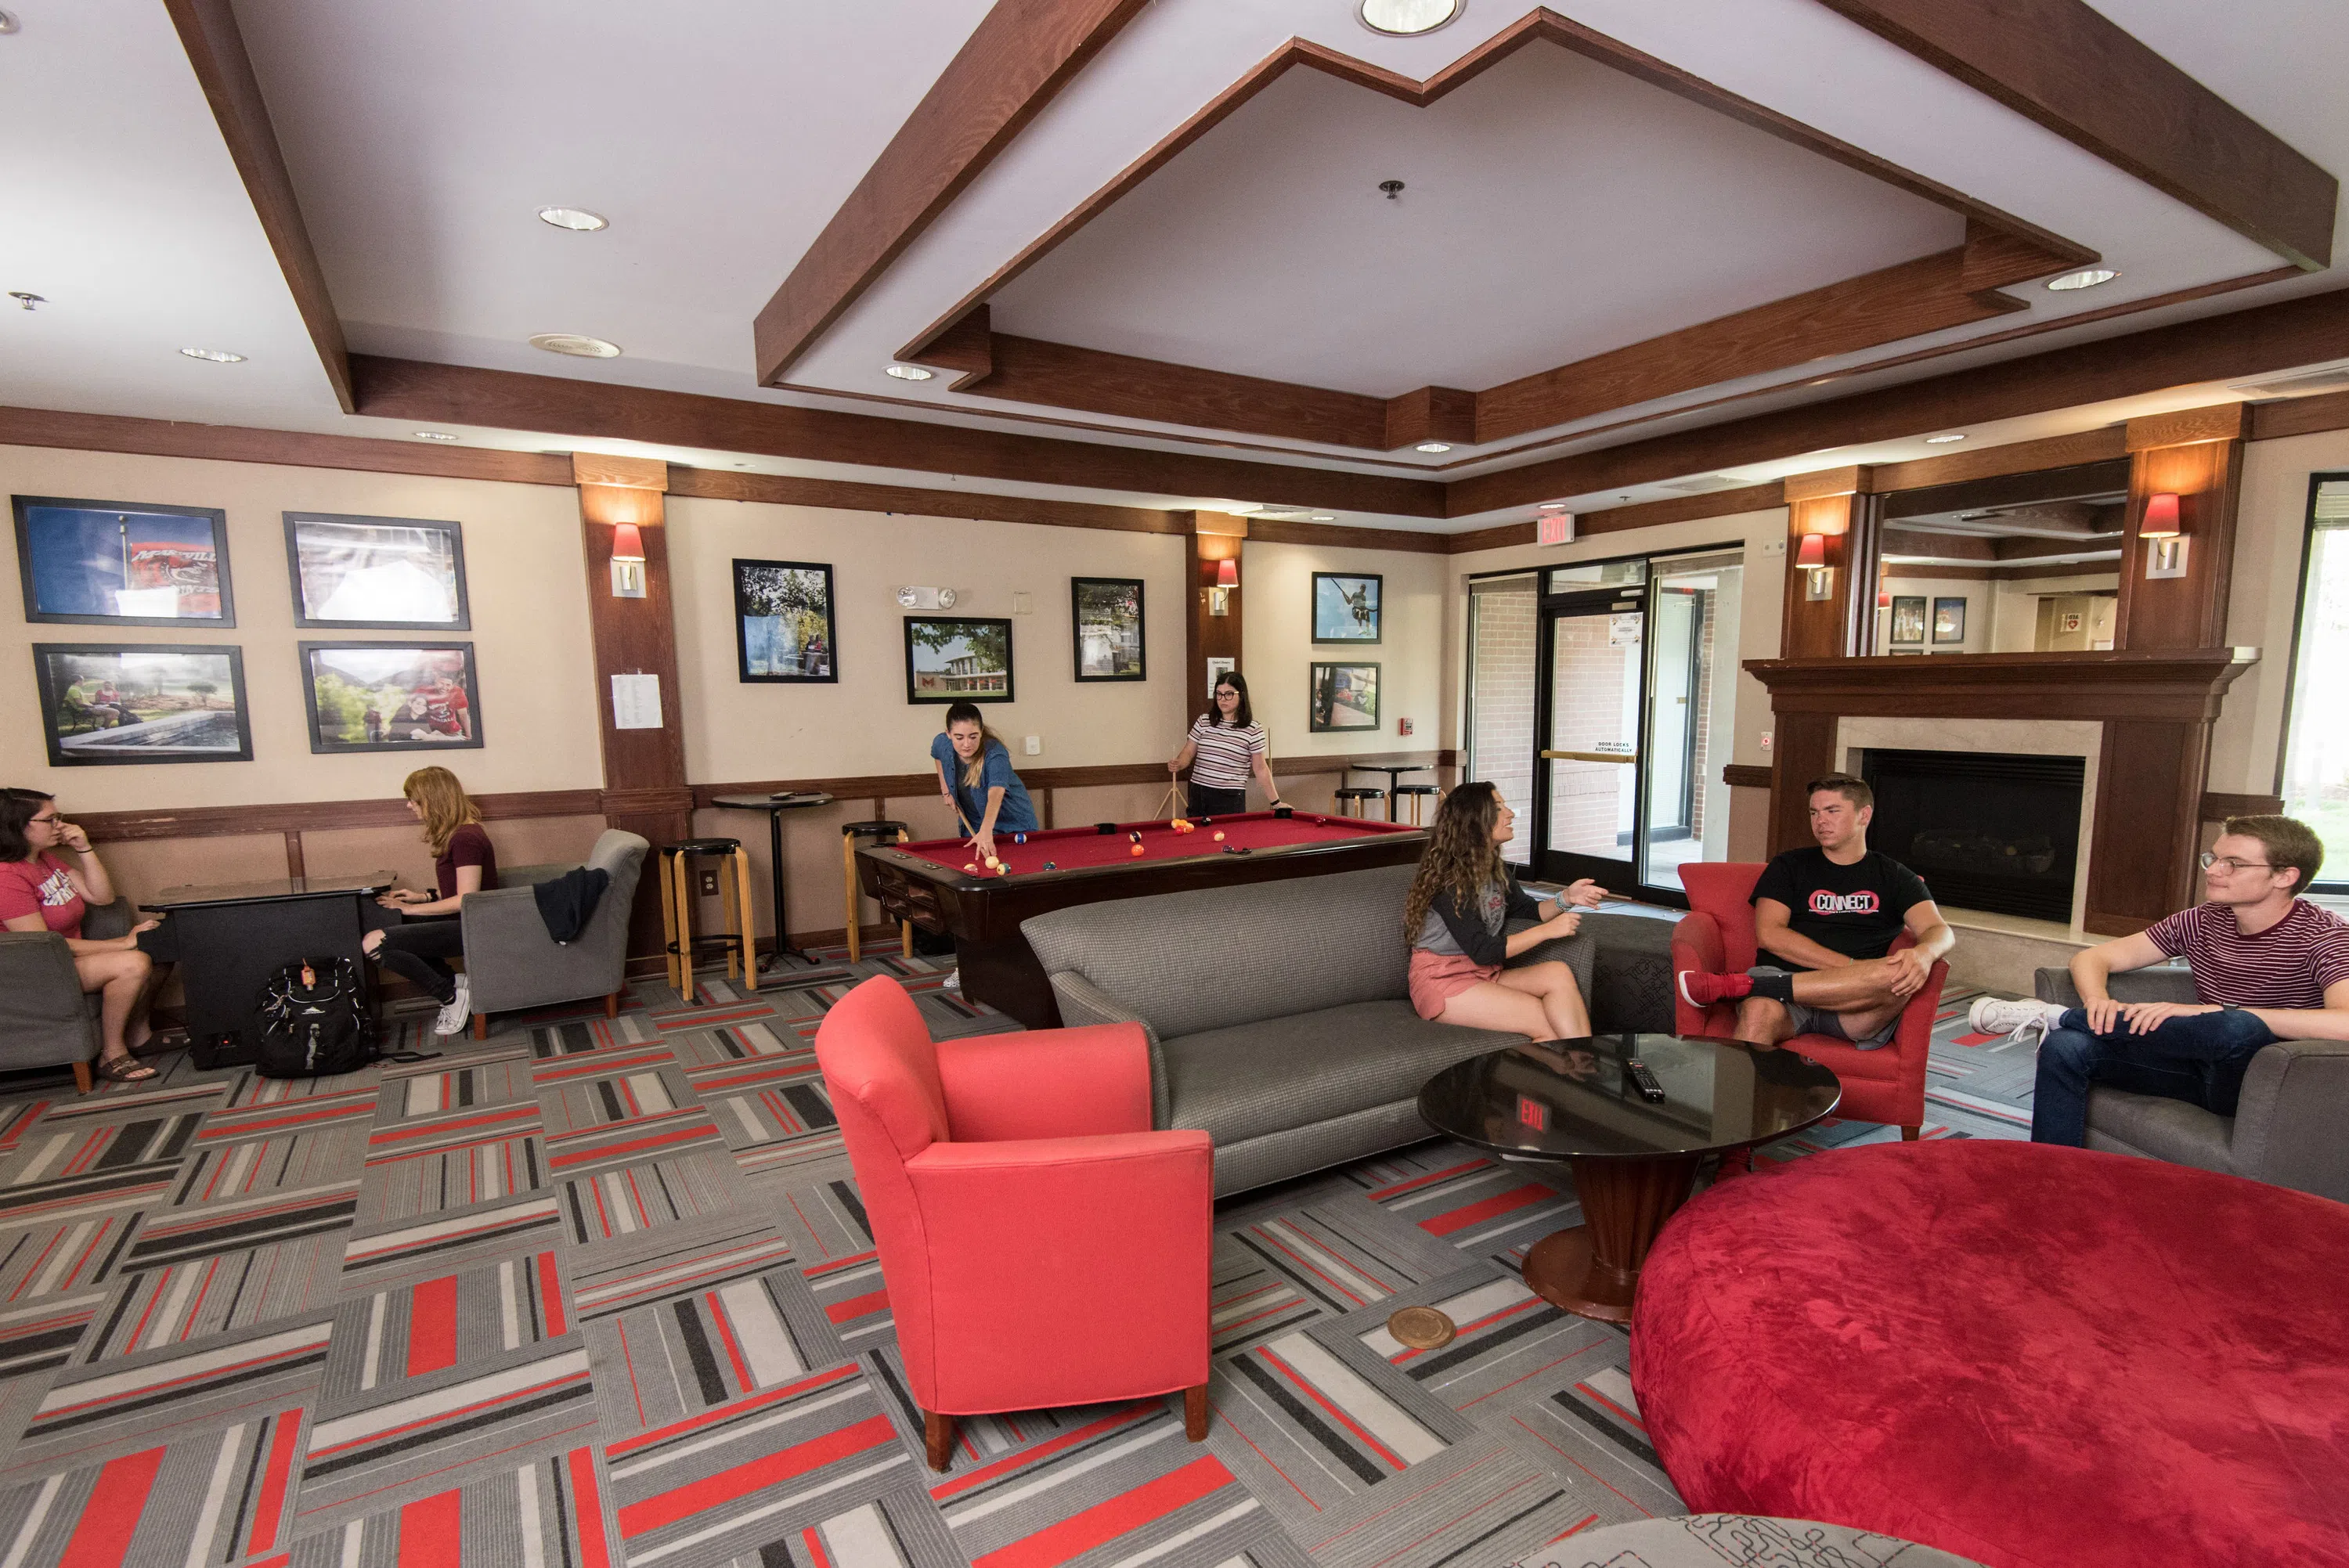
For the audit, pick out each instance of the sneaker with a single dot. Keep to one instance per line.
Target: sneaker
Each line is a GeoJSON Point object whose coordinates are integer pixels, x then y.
{"type": "Point", "coordinates": [953, 982]}
{"type": "Point", "coordinates": [2022, 1020]}
{"type": "Point", "coordinates": [1699, 989]}
{"type": "Point", "coordinates": [460, 1010]}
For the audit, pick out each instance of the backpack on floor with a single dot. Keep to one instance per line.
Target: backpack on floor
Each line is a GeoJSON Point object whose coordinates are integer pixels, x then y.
{"type": "Point", "coordinates": [313, 1020]}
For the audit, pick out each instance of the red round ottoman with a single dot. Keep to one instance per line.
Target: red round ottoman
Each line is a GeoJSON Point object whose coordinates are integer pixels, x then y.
{"type": "Point", "coordinates": [2021, 1354]}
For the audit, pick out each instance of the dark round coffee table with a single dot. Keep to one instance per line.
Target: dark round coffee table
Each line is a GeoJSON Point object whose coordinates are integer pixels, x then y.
{"type": "Point", "coordinates": [1633, 1159]}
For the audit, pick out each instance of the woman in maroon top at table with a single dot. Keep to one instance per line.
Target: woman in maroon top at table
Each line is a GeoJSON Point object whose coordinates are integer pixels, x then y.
{"type": "Point", "coordinates": [43, 890]}
{"type": "Point", "coordinates": [429, 933]}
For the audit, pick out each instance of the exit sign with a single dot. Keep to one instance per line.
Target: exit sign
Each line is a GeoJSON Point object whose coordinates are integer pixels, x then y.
{"type": "Point", "coordinates": [1554, 528]}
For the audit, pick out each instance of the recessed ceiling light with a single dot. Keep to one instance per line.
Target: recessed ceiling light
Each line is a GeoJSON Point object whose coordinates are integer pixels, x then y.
{"type": "Point", "coordinates": [1325, 517]}
{"type": "Point", "coordinates": [572, 342]}
{"type": "Point", "coordinates": [1942, 440]}
{"type": "Point", "coordinates": [1405, 18]}
{"type": "Point", "coordinates": [217, 355]}
{"type": "Point", "coordinates": [434, 436]}
{"type": "Point", "coordinates": [1433, 447]}
{"type": "Point", "coordinates": [909, 373]}
{"type": "Point", "coordinates": [7, 21]}
{"type": "Point", "coordinates": [2086, 278]}
{"type": "Point", "coordinates": [577, 219]}
{"type": "Point", "coordinates": [1552, 506]}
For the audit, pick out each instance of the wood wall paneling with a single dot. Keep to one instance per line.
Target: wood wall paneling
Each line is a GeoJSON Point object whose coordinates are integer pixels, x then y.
{"type": "Point", "coordinates": [2188, 612]}
{"type": "Point", "coordinates": [1338, 536]}
{"type": "Point", "coordinates": [2300, 416]}
{"type": "Point", "coordinates": [1021, 55]}
{"type": "Point", "coordinates": [2063, 65]}
{"type": "Point", "coordinates": [1991, 462]}
{"type": "Point", "coordinates": [1207, 636]}
{"type": "Point", "coordinates": [1430, 414]}
{"type": "Point", "coordinates": [1824, 628]}
{"type": "Point", "coordinates": [294, 448]}
{"type": "Point", "coordinates": [215, 48]}
{"type": "Point", "coordinates": [1802, 746]}
{"type": "Point", "coordinates": [783, 489]}
{"type": "Point", "coordinates": [2217, 422]}
{"type": "Point", "coordinates": [2218, 808]}
{"type": "Point", "coordinates": [2148, 826]}
{"type": "Point", "coordinates": [1746, 775]}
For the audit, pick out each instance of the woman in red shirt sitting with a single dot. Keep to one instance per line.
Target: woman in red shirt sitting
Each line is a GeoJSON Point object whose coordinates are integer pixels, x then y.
{"type": "Point", "coordinates": [429, 933]}
{"type": "Point", "coordinates": [40, 891]}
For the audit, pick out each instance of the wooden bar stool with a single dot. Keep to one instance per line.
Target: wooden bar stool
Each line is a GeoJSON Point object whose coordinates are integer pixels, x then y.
{"type": "Point", "coordinates": [678, 899]}
{"type": "Point", "coordinates": [1357, 796]}
{"type": "Point", "coordinates": [879, 832]}
{"type": "Point", "coordinates": [1415, 793]}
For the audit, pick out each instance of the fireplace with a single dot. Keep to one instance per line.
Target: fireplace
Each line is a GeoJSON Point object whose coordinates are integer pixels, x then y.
{"type": "Point", "coordinates": [1987, 830]}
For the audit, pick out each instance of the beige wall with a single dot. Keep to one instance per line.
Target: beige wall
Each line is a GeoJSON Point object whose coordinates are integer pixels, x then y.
{"type": "Point", "coordinates": [2270, 535]}
{"type": "Point", "coordinates": [1277, 650]}
{"type": "Point", "coordinates": [528, 592]}
{"type": "Point", "coordinates": [862, 724]}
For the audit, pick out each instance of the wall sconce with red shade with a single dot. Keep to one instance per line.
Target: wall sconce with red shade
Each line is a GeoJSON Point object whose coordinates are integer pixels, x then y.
{"type": "Point", "coordinates": [1812, 557]}
{"type": "Point", "coordinates": [2163, 531]}
{"type": "Point", "coordinates": [627, 562]}
{"type": "Point", "coordinates": [1219, 597]}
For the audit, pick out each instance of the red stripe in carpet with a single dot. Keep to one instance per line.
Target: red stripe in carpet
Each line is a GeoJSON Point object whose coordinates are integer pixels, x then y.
{"type": "Point", "coordinates": [431, 1530]}
{"type": "Point", "coordinates": [1461, 1219]}
{"type": "Point", "coordinates": [432, 1327]}
{"type": "Point", "coordinates": [594, 1551]}
{"type": "Point", "coordinates": [857, 1307]}
{"type": "Point", "coordinates": [101, 1539]}
{"type": "Point", "coordinates": [275, 1482]}
{"type": "Point", "coordinates": [1105, 1520]}
{"type": "Point", "coordinates": [713, 1491]}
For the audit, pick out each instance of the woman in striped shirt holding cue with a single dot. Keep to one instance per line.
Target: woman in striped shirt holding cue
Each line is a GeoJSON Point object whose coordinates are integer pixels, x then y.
{"type": "Point", "coordinates": [1223, 748]}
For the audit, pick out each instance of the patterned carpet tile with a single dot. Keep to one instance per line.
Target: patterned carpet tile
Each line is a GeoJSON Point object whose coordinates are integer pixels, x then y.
{"type": "Point", "coordinates": [374, 1258]}
{"type": "Point", "coordinates": [221, 1496]}
{"type": "Point", "coordinates": [430, 1089]}
{"type": "Point", "coordinates": [548, 1513]}
{"type": "Point", "coordinates": [579, 1093]}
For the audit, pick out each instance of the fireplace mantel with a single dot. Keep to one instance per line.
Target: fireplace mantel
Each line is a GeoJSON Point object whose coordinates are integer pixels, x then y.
{"type": "Point", "coordinates": [2155, 706]}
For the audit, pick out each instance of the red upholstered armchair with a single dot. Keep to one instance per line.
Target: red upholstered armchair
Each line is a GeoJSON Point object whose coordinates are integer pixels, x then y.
{"type": "Point", "coordinates": [1041, 1244]}
{"type": "Point", "coordinates": [1885, 1085]}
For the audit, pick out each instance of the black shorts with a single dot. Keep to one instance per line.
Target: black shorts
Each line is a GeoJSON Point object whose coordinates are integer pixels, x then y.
{"type": "Point", "coordinates": [1206, 800]}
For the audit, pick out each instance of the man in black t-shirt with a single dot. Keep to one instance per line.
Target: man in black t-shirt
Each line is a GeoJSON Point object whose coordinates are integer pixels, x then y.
{"type": "Point", "coordinates": [1830, 917]}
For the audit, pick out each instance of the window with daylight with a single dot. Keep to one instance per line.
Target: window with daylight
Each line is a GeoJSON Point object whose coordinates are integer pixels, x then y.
{"type": "Point", "coordinates": [2316, 746]}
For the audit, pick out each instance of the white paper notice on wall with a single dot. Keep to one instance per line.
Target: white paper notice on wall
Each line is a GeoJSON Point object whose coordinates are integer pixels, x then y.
{"type": "Point", "coordinates": [636, 702]}
{"type": "Point", "coordinates": [1623, 631]}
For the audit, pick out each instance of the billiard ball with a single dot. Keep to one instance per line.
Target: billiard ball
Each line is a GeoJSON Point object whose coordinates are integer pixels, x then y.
{"type": "Point", "coordinates": [1051, 867]}
{"type": "Point", "coordinates": [993, 861]}
{"type": "Point", "coordinates": [1135, 836]}
{"type": "Point", "coordinates": [1135, 850]}
{"type": "Point", "coordinates": [1219, 835]}
{"type": "Point", "coordinates": [970, 865]}
{"type": "Point", "coordinates": [1018, 838]}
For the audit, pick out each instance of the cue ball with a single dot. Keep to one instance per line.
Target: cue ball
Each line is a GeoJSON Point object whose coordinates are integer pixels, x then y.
{"type": "Point", "coordinates": [1219, 837]}
{"type": "Point", "coordinates": [993, 861]}
{"type": "Point", "coordinates": [1136, 850]}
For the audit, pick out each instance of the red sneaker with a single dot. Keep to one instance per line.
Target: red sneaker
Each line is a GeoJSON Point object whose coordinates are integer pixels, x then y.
{"type": "Point", "coordinates": [1702, 990]}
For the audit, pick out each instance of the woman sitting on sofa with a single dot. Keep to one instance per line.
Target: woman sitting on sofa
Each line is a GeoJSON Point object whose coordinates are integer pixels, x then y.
{"type": "Point", "coordinates": [43, 890]}
{"type": "Point", "coordinates": [1460, 905]}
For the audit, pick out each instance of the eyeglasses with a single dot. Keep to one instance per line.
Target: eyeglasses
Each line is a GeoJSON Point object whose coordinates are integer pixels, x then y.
{"type": "Point", "coordinates": [2231, 863]}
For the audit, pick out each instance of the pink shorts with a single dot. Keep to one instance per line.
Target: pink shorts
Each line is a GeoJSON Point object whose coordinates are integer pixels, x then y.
{"type": "Point", "coordinates": [1437, 977]}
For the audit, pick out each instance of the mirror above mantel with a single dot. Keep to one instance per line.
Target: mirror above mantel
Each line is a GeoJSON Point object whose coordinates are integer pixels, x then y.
{"type": "Point", "coordinates": [2020, 563]}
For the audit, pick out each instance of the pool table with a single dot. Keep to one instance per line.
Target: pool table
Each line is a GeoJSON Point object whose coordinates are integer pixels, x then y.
{"type": "Point", "coordinates": [925, 881]}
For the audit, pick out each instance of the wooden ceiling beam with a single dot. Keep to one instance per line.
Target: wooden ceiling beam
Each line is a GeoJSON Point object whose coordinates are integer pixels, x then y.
{"type": "Point", "coordinates": [1022, 55]}
{"type": "Point", "coordinates": [2066, 65]}
{"type": "Point", "coordinates": [215, 47]}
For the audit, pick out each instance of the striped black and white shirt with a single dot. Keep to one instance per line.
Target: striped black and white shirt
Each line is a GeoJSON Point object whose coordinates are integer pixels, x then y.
{"type": "Point", "coordinates": [1221, 762]}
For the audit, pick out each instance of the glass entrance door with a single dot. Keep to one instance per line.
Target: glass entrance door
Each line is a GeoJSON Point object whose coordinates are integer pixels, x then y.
{"type": "Point", "coordinates": [1587, 771]}
{"type": "Point", "coordinates": [1692, 630]}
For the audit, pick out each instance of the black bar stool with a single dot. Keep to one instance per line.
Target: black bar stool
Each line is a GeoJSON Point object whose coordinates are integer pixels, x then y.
{"type": "Point", "coordinates": [1415, 793]}
{"type": "Point", "coordinates": [1354, 795]}
{"type": "Point", "coordinates": [677, 910]}
{"type": "Point", "coordinates": [880, 833]}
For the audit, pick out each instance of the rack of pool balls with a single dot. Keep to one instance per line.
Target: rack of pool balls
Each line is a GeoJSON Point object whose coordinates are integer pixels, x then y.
{"type": "Point", "coordinates": [995, 865]}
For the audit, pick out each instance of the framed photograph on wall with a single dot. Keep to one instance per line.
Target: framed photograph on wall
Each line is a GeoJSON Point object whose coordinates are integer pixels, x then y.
{"type": "Point", "coordinates": [391, 696]}
{"type": "Point", "coordinates": [1346, 606]}
{"type": "Point", "coordinates": [106, 705]}
{"type": "Point", "coordinates": [783, 626]}
{"type": "Point", "coordinates": [375, 574]}
{"type": "Point", "coordinates": [1907, 618]}
{"type": "Point", "coordinates": [1949, 620]}
{"type": "Point", "coordinates": [1107, 614]}
{"type": "Point", "coordinates": [1343, 698]}
{"type": "Point", "coordinates": [957, 659]}
{"type": "Point", "coordinates": [123, 563]}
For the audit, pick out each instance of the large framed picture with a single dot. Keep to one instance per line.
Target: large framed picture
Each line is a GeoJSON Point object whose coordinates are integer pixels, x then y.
{"type": "Point", "coordinates": [123, 563]}
{"type": "Point", "coordinates": [784, 628]}
{"type": "Point", "coordinates": [1344, 697]}
{"type": "Point", "coordinates": [112, 704]}
{"type": "Point", "coordinates": [391, 696]}
{"type": "Point", "coordinates": [1949, 620]}
{"type": "Point", "coordinates": [1346, 606]}
{"type": "Point", "coordinates": [375, 574]}
{"type": "Point", "coordinates": [1907, 618]}
{"type": "Point", "coordinates": [1107, 614]}
{"type": "Point", "coordinates": [957, 659]}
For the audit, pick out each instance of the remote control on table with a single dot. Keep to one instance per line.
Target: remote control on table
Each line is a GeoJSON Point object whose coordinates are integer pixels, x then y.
{"type": "Point", "coordinates": [1644, 1080]}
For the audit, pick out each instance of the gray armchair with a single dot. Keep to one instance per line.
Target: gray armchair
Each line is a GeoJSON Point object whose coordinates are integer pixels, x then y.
{"type": "Point", "coordinates": [2290, 1128]}
{"type": "Point", "coordinates": [46, 1018]}
{"type": "Point", "coordinates": [511, 964]}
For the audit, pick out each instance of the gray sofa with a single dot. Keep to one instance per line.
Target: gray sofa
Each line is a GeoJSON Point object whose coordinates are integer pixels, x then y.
{"type": "Point", "coordinates": [511, 964]}
{"type": "Point", "coordinates": [1278, 1014]}
{"type": "Point", "coordinates": [46, 1020]}
{"type": "Point", "coordinates": [2291, 1127]}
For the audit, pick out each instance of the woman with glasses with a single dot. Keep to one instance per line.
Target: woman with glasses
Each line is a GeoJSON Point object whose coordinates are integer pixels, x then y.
{"type": "Point", "coordinates": [49, 877]}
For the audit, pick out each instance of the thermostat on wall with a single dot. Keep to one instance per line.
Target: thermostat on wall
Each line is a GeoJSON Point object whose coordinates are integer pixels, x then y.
{"type": "Point", "coordinates": [927, 598]}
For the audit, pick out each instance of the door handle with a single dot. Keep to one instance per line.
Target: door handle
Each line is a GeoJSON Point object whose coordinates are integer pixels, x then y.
{"type": "Point", "coordinates": [1592, 755]}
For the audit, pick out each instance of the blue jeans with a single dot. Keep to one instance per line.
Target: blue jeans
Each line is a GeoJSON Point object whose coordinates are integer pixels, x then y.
{"type": "Point", "coordinates": [2199, 1060]}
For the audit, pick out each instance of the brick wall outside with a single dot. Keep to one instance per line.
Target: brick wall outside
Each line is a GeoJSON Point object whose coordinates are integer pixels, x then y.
{"type": "Point", "coordinates": [1590, 802]}
{"type": "Point", "coordinates": [1501, 724]}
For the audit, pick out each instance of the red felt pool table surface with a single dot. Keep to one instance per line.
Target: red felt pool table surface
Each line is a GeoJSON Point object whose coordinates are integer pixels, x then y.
{"type": "Point", "coordinates": [1073, 848]}
{"type": "Point", "coordinates": [924, 883]}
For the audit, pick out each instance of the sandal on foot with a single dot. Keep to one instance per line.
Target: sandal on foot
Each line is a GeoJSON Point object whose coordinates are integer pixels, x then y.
{"type": "Point", "coordinates": [160, 1041]}
{"type": "Point", "coordinates": [124, 1068]}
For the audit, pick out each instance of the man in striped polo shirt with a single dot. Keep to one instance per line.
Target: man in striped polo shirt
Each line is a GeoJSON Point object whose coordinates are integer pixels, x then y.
{"type": "Point", "coordinates": [2268, 965]}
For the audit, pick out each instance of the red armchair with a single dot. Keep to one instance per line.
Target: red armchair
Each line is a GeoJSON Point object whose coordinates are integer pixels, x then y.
{"type": "Point", "coordinates": [1716, 935]}
{"type": "Point", "coordinates": [1039, 1243]}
